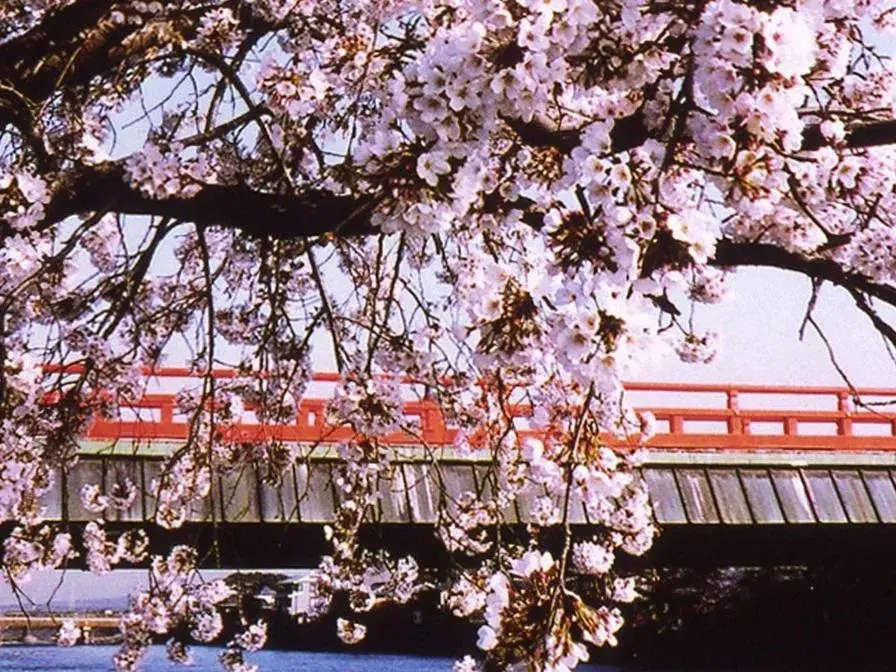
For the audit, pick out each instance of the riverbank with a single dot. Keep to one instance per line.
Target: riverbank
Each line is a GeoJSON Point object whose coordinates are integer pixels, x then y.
{"type": "Point", "coordinates": [43, 629]}
{"type": "Point", "coordinates": [781, 618]}
{"type": "Point", "coordinates": [789, 619]}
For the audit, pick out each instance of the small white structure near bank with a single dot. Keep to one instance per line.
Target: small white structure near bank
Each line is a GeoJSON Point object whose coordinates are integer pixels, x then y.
{"type": "Point", "coordinates": [300, 595]}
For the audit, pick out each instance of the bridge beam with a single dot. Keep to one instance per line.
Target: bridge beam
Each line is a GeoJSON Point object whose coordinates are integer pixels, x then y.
{"type": "Point", "coordinates": [296, 546]}
{"type": "Point", "coordinates": [716, 546]}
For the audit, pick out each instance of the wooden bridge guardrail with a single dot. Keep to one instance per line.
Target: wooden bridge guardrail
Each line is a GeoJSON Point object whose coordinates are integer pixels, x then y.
{"type": "Point", "coordinates": [735, 455]}
{"type": "Point", "coordinates": [688, 417]}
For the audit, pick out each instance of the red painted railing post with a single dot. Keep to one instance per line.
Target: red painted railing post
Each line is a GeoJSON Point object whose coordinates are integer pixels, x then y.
{"type": "Point", "coordinates": [791, 426]}
{"type": "Point", "coordinates": [166, 414]}
{"type": "Point", "coordinates": [844, 424]}
{"type": "Point", "coordinates": [735, 422]}
{"type": "Point", "coordinates": [433, 424]}
{"type": "Point", "coordinates": [676, 424]}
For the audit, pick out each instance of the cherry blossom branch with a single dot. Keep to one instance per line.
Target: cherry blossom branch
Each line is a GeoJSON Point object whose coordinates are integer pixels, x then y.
{"type": "Point", "coordinates": [92, 38]}
{"type": "Point", "coordinates": [73, 44]}
{"type": "Point", "coordinates": [316, 213]}
{"type": "Point", "coordinates": [730, 253]}
{"type": "Point", "coordinates": [872, 134]}
{"type": "Point", "coordinates": [631, 132]}
{"type": "Point", "coordinates": [885, 329]}
{"type": "Point", "coordinates": [103, 188]}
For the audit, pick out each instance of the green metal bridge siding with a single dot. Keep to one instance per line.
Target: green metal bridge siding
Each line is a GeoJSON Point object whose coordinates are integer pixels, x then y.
{"type": "Point", "coordinates": [692, 489]}
{"type": "Point", "coordinates": [307, 494]}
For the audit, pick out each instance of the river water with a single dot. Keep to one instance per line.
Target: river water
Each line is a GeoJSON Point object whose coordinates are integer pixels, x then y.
{"type": "Point", "coordinates": [98, 659]}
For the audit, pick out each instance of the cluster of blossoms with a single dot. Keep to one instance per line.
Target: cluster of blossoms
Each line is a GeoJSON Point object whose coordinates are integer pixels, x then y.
{"type": "Point", "coordinates": [530, 583]}
{"type": "Point", "coordinates": [218, 30]}
{"type": "Point", "coordinates": [590, 557]}
{"type": "Point", "coordinates": [466, 595]}
{"type": "Point", "coordinates": [249, 640]}
{"type": "Point", "coordinates": [26, 195]}
{"type": "Point", "coordinates": [24, 475]}
{"type": "Point", "coordinates": [508, 202]}
{"type": "Point", "coordinates": [178, 599]}
{"type": "Point", "coordinates": [102, 555]}
{"type": "Point", "coordinates": [290, 91]}
{"type": "Point", "coordinates": [120, 498]}
{"type": "Point", "coordinates": [69, 633]}
{"type": "Point", "coordinates": [606, 486]}
{"type": "Point", "coordinates": [30, 549]}
{"type": "Point", "coordinates": [349, 631]}
{"type": "Point", "coordinates": [372, 406]}
{"type": "Point", "coordinates": [709, 285]}
{"type": "Point", "coordinates": [694, 348]}
{"type": "Point", "coordinates": [163, 171]}
{"type": "Point", "coordinates": [369, 579]}
{"type": "Point", "coordinates": [463, 527]}
{"type": "Point", "coordinates": [187, 481]}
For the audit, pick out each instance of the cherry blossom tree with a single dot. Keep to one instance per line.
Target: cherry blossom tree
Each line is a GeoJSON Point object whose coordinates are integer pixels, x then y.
{"type": "Point", "coordinates": [505, 201]}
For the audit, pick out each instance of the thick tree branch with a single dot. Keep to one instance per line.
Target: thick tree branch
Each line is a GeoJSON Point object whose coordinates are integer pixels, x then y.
{"type": "Point", "coordinates": [82, 41]}
{"type": "Point", "coordinates": [103, 188]}
{"type": "Point", "coordinates": [866, 135]}
{"type": "Point", "coordinates": [729, 253]}
{"type": "Point", "coordinates": [535, 134]}
{"type": "Point", "coordinates": [58, 30]}
{"type": "Point", "coordinates": [631, 132]}
{"type": "Point", "coordinates": [73, 45]}
{"type": "Point", "coordinates": [879, 323]}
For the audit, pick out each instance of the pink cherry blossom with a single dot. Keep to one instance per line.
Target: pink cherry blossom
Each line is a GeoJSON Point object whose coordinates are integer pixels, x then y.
{"type": "Point", "coordinates": [505, 205]}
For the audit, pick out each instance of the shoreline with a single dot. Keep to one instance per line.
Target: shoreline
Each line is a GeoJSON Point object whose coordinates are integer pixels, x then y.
{"type": "Point", "coordinates": [41, 630]}
{"type": "Point", "coordinates": [793, 617]}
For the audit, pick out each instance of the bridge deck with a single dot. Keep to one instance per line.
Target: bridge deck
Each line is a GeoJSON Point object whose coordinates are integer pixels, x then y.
{"type": "Point", "coordinates": [714, 513]}
{"type": "Point", "coordinates": [685, 488]}
{"type": "Point", "coordinates": [722, 455]}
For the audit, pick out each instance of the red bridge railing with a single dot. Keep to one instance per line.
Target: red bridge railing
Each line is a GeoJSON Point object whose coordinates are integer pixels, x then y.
{"type": "Point", "coordinates": [688, 417]}
{"type": "Point", "coordinates": [769, 417]}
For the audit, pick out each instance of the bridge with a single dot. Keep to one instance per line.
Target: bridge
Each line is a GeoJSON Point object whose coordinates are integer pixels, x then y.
{"type": "Point", "coordinates": [736, 474]}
